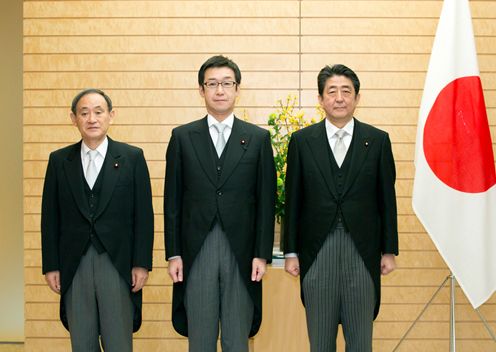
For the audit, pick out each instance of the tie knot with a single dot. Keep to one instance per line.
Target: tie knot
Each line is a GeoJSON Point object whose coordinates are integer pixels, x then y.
{"type": "Point", "coordinates": [220, 127]}
{"type": "Point", "coordinates": [340, 134]}
{"type": "Point", "coordinates": [92, 154]}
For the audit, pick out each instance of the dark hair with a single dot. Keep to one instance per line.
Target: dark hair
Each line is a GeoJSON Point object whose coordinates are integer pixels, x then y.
{"type": "Point", "coordinates": [337, 70]}
{"type": "Point", "coordinates": [218, 61]}
{"type": "Point", "coordinates": [81, 94]}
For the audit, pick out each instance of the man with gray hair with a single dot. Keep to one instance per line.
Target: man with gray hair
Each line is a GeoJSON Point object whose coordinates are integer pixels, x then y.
{"type": "Point", "coordinates": [97, 230]}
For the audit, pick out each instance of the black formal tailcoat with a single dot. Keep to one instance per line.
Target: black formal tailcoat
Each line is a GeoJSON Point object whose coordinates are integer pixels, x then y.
{"type": "Point", "coordinates": [243, 199]}
{"type": "Point", "coordinates": [368, 202]}
{"type": "Point", "coordinates": [123, 220]}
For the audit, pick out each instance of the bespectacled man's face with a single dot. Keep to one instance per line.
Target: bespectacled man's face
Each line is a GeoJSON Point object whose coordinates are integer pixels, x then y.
{"type": "Point", "coordinates": [219, 100]}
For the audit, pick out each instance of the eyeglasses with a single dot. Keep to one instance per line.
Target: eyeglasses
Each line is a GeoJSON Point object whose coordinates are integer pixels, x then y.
{"type": "Point", "coordinates": [215, 84]}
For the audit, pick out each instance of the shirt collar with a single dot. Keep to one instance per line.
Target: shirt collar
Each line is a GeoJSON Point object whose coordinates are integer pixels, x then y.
{"type": "Point", "coordinates": [331, 129]}
{"type": "Point", "coordinates": [228, 121]}
{"type": "Point", "coordinates": [101, 149]}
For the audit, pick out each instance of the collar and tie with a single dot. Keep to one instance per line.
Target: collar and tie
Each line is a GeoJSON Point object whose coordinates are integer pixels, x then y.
{"type": "Point", "coordinates": [91, 169]}
{"type": "Point", "coordinates": [221, 140]}
{"type": "Point", "coordinates": [340, 147]}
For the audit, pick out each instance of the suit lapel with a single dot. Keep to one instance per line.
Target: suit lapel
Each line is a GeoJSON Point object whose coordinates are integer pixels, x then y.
{"type": "Point", "coordinates": [319, 145]}
{"type": "Point", "coordinates": [239, 140]}
{"type": "Point", "coordinates": [361, 145]}
{"type": "Point", "coordinates": [200, 139]}
{"type": "Point", "coordinates": [111, 169]}
{"type": "Point", "coordinates": [75, 178]}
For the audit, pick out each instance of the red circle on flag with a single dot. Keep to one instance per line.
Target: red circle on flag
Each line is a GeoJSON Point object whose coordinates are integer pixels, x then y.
{"type": "Point", "coordinates": [457, 141]}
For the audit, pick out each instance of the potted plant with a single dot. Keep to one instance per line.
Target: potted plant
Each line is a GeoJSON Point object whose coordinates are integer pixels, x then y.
{"type": "Point", "coordinates": [282, 123]}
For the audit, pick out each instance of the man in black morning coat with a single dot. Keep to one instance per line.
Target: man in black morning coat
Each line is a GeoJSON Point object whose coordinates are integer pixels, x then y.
{"type": "Point", "coordinates": [97, 230]}
{"type": "Point", "coordinates": [219, 199]}
{"type": "Point", "coordinates": [341, 227]}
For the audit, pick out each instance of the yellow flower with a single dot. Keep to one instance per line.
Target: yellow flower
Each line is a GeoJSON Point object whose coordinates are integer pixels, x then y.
{"type": "Point", "coordinates": [282, 124]}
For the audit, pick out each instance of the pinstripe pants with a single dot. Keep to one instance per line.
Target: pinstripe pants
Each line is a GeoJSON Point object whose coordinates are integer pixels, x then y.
{"type": "Point", "coordinates": [339, 289]}
{"type": "Point", "coordinates": [99, 302]}
{"type": "Point", "coordinates": [215, 291]}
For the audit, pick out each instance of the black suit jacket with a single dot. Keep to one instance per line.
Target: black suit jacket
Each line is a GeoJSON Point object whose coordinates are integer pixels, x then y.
{"type": "Point", "coordinates": [368, 202]}
{"type": "Point", "coordinates": [123, 220]}
{"type": "Point", "coordinates": [243, 199]}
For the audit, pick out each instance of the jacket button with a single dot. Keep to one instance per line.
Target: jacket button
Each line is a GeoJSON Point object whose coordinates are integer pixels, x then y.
{"type": "Point", "coordinates": [219, 193]}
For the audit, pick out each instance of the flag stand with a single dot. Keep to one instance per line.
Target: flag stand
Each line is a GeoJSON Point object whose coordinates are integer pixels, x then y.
{"type": "Point", "coordinates": [452, 315]}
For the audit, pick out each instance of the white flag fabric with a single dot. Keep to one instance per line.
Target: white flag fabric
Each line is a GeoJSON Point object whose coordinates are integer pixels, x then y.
{"type": "Point", "coordinates": [454, 192]}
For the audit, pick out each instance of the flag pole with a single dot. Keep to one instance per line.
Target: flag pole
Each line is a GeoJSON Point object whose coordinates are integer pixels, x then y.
{"type": "Point", "coordinates": [452, 344]}
{"type": "Point", "coordinates": [421, 313]}
{"type": "Point", "coordinates": [486, 324]}
{"type": "Point", "coordinates": [452, 314]}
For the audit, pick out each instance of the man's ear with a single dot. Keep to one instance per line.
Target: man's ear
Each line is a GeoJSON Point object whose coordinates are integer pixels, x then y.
{"type": "Point", "coordinates": [73, 119]}
{"type": "Point", "coordinates": [201, 89]}
{"type": "Point", "coordinates": [319, 97]}
{"type": "Point", "coordinates": [112, 115]}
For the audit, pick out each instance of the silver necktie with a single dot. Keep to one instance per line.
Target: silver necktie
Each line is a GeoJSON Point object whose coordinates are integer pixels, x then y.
{"type": "Point", "coordinates": [221, 141]}
{"type": "Point", "coordinates": [340, 147]}
{"type": "Point", "coordinates": [91, 170]}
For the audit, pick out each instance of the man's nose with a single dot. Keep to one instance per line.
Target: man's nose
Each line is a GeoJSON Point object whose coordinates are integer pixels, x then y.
{"type": "Point", "coordinates": [219, 89]}
{"type": "Point", "coordinates": [91, 117]}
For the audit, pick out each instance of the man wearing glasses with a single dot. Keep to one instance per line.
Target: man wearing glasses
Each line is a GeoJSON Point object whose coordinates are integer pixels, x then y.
{"type": "Point", "coordinates": [219, 199]}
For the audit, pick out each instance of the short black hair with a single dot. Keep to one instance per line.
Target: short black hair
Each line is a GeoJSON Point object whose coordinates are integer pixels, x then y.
{"type": "Point", "coordinates": [337, 70]}
{"type": "Point", "coordinates": [218, 61]}
{"type": "Point", "coordinates": [81, 94]}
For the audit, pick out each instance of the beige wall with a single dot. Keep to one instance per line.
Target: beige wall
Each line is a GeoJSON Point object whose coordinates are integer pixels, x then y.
{"type": "Point", "coordinates": [146, 55]}
{"type": "Point", "coordinates": [11, 244]}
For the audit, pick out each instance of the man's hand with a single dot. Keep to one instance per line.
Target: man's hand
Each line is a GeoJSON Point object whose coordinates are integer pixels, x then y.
{"type": "Point", "coordinates": [139, 276]}
{"type": "Point", "coordinates": [176, 269]}
{"type": "Point", "coordinates": [292, 266]}
{"type": "Point", "coordinates": [258, 269]}
{"type": "Point", "coordinates": [53, 280]}
{"type": "Point", "coordinates": [388, 263]}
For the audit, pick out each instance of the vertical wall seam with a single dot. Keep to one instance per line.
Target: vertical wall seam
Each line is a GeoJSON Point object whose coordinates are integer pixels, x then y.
{"type": "Point", "coordinates": [299, 54]}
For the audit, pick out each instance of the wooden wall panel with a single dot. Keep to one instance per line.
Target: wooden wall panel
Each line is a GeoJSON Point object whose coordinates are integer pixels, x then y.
{"type": "Point", "coordinates": [146, 54]}
{"type": "Point", "coordinates": [144, 62]}
{"type": "Point", "coordinates": [163, 9]}
{"type": "Point", "coordinates": [160, 44]}
{"type": "Point", "coordinates": [161, 26]}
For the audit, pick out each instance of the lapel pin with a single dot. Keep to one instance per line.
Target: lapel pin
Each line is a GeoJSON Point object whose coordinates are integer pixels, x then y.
{"type": "Point", "coordinates": [116, 165]}
{"type": "Point", "coordinates": [243, 142]}
{"type": "Point", "coordinates": [366, 143]}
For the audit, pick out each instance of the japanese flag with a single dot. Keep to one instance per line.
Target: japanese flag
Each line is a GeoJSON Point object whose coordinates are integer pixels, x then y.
{"type": "Point", "coordinates": [454, 193]}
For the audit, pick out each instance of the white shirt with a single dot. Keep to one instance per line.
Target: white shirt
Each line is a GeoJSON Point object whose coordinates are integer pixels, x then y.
{"type": "Point", "coordinates": [331, 133]}
{"type": "Point", "coordinates": [100, 156]}
{"type": "Point", "coordinates": [213, 131]}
